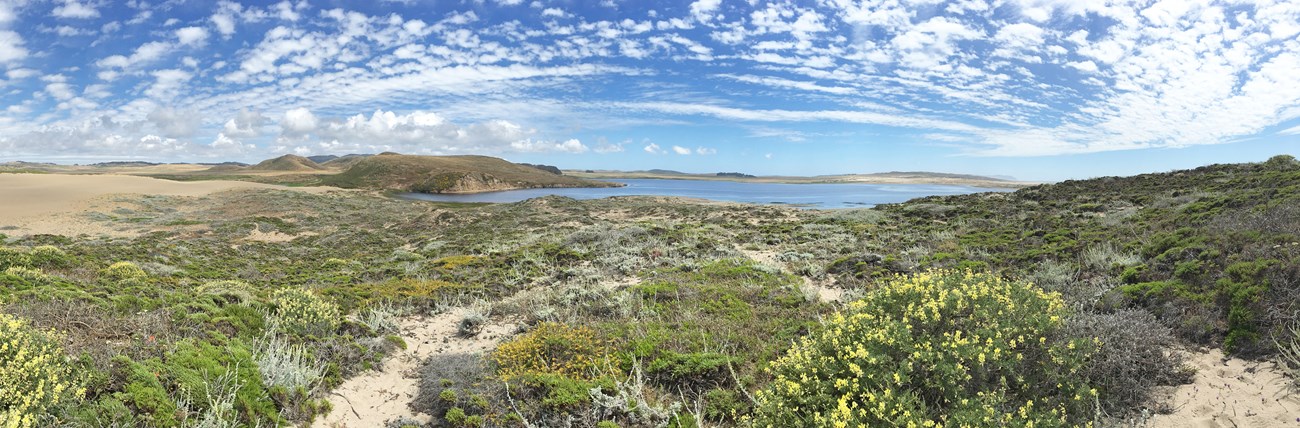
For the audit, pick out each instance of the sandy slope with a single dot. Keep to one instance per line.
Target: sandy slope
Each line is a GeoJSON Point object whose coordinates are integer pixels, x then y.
{"type": "Point", "coordinates": [45, 203]}
{"type": "Point", "coordinates": [1231, 393]}
{"type": "Point", "coordinates": [370, 399]}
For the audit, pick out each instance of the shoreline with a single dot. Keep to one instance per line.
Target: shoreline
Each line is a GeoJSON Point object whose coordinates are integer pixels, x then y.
{"type": "Point", "coordinates": [821, 179]}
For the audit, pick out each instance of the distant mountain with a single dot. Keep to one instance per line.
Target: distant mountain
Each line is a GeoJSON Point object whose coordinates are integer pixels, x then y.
{"type": "Point", "coordinates": [448, 174]}
{"type": "Point", "coordinates": [663, 172]}
{"type": "Point", "coordinates": [345, 161]}
{"type": "Point", "coordinates": [124, 164]}
{"type": "Point", "coordinates": [547, 168]}
{"type": "Point", "coordinates": [287, 163]}
{"type": "Point", "coordinates": [926, 174]}
{"type": "Point", "coordinates": [322, 158]}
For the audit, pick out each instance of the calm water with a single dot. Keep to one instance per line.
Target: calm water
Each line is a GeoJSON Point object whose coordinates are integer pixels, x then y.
{"type": "Point", "coordinates": [845, 195]}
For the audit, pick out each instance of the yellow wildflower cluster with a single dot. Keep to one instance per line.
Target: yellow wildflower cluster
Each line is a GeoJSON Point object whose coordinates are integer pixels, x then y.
{"type": "Point", "coordinates": [34, 374]}
{"type": "Point", "coordinates": [552, 349]}
{"type": "Point", "coordinates": [945, 348]}
{"type": "Point", "coordinates": [304, 312]}
{"type": "Point", "coordinates": [30, 274]}
{"type": "Point", "coordinates": [122, 271]}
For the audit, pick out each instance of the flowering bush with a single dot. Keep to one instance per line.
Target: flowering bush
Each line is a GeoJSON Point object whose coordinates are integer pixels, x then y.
{"type": "Point", "coordinates": [48, 256]}
{"type": "Point", "coordinates": [935, 349]}
{"type": "Point", "coordinates": [552, 349]}
{"type": "Point", "coordinates": [34, 374]}
{"type": "Point", "coordinates": [122, 271]}
{"type": "Point", "coordinates": [303, 312]}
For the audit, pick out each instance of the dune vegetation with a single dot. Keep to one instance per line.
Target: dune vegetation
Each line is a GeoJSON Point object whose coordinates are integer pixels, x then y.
{"type": "Point", "coordinates": [1063, 304]}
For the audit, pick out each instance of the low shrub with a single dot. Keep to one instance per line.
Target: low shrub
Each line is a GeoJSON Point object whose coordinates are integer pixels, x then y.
{"type": "Point", "coordinates": [10, 257]}
{"type": "Point", "coordinates": [231, 291]}
{"type": "Point", "coordinates": [49, 256]}
{"type": "Point", "coordinates": [1133, 358]}
{"type": "Point", "coordinates": [122, 271]}
{"type": "Point", "coordinates": [935, 349]}
{"type": "Point", "coordinates": [35, 374]}
{"type": "Point", "coordinates": [304, 312]}
{"type": "Point", "coordinates": [552, 348]}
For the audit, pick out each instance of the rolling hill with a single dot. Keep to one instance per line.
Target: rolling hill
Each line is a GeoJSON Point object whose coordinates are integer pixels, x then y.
{"type": "Point", "coordinates": [448, 174]}
{"type": "Point", "coordinates": [287, 163]}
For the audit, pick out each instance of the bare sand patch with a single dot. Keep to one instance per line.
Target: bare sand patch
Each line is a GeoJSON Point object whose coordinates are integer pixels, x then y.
{"type": "Point", "coordinates": [372, 398]}
{"type": "Point", "coordinates": [48, 203]}
{"type": "Point", "coordinates": [1231, 392]}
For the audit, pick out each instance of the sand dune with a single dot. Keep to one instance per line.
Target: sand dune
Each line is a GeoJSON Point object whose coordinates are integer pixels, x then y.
{"type": "Point", "coordinates": [41, 203]}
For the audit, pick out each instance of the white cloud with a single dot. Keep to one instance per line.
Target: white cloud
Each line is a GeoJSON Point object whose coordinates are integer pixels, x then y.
{"type": "Point", "coordinates": [567, 146]}
{"type": "Point", "coordinates": [604, 146]}
{"type": "Point", "coordinates": [144, 54]}
{"type": "Point", "coordinates": [732, 113]}
{"type": "Point", "coordinates": [174, 123]}
{"type": "Point", "coordinates": [7, 13]}
{"type": "Point", "coordinates": [192, 35]}
{"type": "Point", "coordinates": [1294, 130]}
{"type": "Point", "coordinates": [681, 150]}
{"type": "Point", "coordinates": [418, 132]}
{"type": "Point", "coordinates": [653, 149]}
{"type": "Point", "coordinates": [21, 73]}
{"type": "Point", "coordinates": [706, 151]}
{"type": "Point", "coordinates": [245, 124]}
{"type": "Point", "coordinates": [74, 9]}
{"type": "Point", "coordinates": [11, 47]}
{"type": "Point", "coordinates": [298, 122]}
{"type": "Point", "coordinates": [703, 10]}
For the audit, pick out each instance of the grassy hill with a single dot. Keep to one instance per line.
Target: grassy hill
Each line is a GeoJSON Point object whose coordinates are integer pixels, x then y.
{"type": "Point", "coordinates": [448, 174]}
{"type": "Point", "coordinates": [287, 163]}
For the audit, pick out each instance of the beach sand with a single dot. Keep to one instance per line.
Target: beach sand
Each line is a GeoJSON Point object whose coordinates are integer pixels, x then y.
{"type": "Point", "coordinates": [56, 203]}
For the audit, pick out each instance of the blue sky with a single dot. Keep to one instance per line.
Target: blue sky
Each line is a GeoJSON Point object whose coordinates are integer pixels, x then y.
{"type": "Point", "coordinates": [1035, 89]}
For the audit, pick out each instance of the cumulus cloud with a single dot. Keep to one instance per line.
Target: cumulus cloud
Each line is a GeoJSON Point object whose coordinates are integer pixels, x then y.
{"type": "Point", "coordinates": [245, 124]}
{"type": "Point", "coordinates": [74, 9]}
{"type": "Point", "coordinates": [298, 122]}
{"type": "Point", "coordinates": [417, 132]}
{"type": "Point", "coordinates": [192, 35]}
{"type": "Point", "coordinates": [653, 149]}
{"type": "Point", "coordinates": [174, 123]}
{"type": "Point", "coordinates": [568, 146]}
{"type": "Point", "coordinates": [11, 47]}
{"type": "Point", "coordinates": [681, 150]}
{"type": "Point", "coordinates": [703, 10]}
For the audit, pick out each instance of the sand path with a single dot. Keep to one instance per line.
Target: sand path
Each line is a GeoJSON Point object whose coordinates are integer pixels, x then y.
{"type": "Point", "coordinates": [372, 398]}
{"type": "Point", "coordinates": [1231, 393]}
{"type": "Point", "coordinates": [48, 203]}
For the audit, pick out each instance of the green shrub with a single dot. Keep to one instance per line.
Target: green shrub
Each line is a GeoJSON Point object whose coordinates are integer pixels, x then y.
{"type": "Point", "coordinates": [694, 368]}
{"type": "Point", "coordinates": [941, 348]}
{"type": "Point", "coordinates": [122, 271]}
{"type": "Point", "coordinates": [229, 290]}
{"type": "Point", "coordinates": [30, 274]}
{"type": "Point", "coordinates": [552, 348]}
{"type": "Point", "coordinates": [10, 257]}
{"type": "Point", "coordinates": [49, 256]}
{"type": "Point", "coordinates": [35, 375]}
{"type": "Point", "coordinates": [304, 312]}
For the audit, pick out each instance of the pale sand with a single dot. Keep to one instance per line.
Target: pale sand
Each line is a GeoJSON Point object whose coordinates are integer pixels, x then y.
{"type": "Point", "coordinates": [1231, 393]}
{"type": "Point", "coordinates": [372, 398]}
{"type": "Point", "coordinates": [47, 203]}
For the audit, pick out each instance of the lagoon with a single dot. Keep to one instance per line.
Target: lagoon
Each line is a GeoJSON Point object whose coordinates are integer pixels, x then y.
{"type": "Point", "coordinates": [818, 196]}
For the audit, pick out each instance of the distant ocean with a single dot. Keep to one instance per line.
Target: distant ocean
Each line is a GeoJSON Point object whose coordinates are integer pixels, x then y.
{"type": "Point", "coordinates": [819, 196]}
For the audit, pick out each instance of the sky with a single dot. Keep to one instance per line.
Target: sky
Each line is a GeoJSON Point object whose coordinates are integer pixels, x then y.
{"type": "Point", "coordinates": [1033, 89]}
